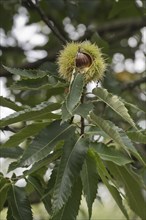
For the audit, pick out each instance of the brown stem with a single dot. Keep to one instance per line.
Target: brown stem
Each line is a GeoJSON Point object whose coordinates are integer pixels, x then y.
{"type": "Point", "coordinates": [82, 119]}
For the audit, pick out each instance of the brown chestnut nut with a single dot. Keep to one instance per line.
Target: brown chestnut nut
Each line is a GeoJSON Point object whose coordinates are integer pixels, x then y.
{"type": "Point", "coordinates": [82, 60]}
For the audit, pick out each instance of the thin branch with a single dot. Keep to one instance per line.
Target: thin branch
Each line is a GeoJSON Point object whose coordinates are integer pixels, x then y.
{"type": "Point", "coordinates": [131, 25]}
{"type": "Point", "coordinates": [134, 84]}
{"type": "Point", "coordinates": [58, 26]}
{"type": "Point", "coordinates": [48, 22]}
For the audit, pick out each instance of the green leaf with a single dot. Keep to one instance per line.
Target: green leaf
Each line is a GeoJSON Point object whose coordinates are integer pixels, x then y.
{"type": "Point", "coordinates": [65, 114]}
{"type": "Point", "coordinates": [114, 191]}
{"type": "Point", "coordinates": [47, 82]}
{"type": "Point", "coordinates": [133, 188]}
{"type": "Point", "coordinates": [82, 110]}
{"type": "Point", "coordinates": [19, 203]}
{"type": "Point", "coordinates": [93, 130]}
{"type": "Point", "coordinates": [30, 113]}
{"type": "Point", "coordinates": [115, 103]}
{"type": "Point", "coordinates": [73, 156]}
{"type": "Point", "coordinates": [14, 152]}
{"type": "Point", "coordinates": [30, 74]}
{"type": "Point", "coordinates": [134, 107]}
{"type": "Point", "coordinates": [40, 190]}
{"type": "Point", "coordinates": [89, 176]}
{"type": "Point", "coordinates": [113, 132]}
{"type": "Point", "coordinates": [137, 136]}
{"type": "Point", "coordinates": [124, 10]}
{"type": "Point", "coordinates": [30, 84]}
{"type": "Point", "coordinates": [110, 154]}
{"type": "Point", "coordinates": [4, 188]}
{"type": "Point", "coordinates": [48, 116]}
{"type": "Point", "coordinates": [70, 209]}
{"type": "Point", "coordinates": [43, 144]}
{"type": "Point", "coordinates": [24, 133]}
{"type": "Point", "coordinates": [110, 129]}
{"type": "Point", "coordinates": [44, 162]}
{"type": "Point", "coordinates": [9, 104]}
{"type": "Point", "coordinates": [9, 214]}
{"type": "Point", "coordinates": [52, 180]}
{"type": "Point", "coordinates": [75, 93]}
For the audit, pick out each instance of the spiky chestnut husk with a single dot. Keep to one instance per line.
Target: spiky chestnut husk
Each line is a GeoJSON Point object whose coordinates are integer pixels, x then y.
{"type": "Point", "coordinates": [84, 57]}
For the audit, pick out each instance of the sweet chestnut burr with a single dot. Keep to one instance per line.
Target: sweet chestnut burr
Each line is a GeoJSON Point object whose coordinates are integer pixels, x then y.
{"type": "Point", "coordinates": [85, 58]}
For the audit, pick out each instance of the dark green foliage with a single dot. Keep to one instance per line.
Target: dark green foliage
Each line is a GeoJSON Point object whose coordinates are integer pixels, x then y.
{"type": "Point", "coordinates": [89, 175]}
{"type": "Point", "coordinates": [56, 141]}
{"type": "Point", "coordinates": [80, 138]}
{"type": "Point", "coordinates": [18, 204]}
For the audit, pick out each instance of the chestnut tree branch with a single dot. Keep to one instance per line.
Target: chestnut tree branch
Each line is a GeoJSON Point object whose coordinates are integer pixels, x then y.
{"type": "Point", "coordinates": [131, 26]}
{"type": "Point", "coordinates": [47, 21]}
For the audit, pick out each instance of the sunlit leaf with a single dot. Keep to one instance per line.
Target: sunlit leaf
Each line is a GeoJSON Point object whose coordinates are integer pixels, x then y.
{"type": "Point", "coordinates": [115, 103]}
{"type": "Point", "coordinates": [75, 93]}
{"type": "Point", "coordinates": [137, 136]}
{"type": "Point", "coordinates": [65, 114]}
{"type": "Point", "coordinates": [133, 107]}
